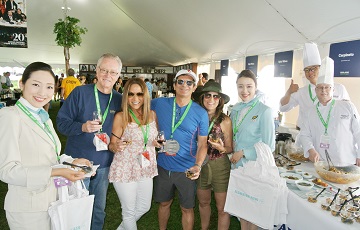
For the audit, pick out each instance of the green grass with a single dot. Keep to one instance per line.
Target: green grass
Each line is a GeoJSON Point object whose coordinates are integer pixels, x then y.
{"type": "Point", "coordinates": [113, 208]}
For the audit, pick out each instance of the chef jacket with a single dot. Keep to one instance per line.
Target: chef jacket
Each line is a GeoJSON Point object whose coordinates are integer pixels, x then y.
{"type": "Point", "coordinates": [302, 98]}
{"type": "Point", "coordinates": [343, 130]}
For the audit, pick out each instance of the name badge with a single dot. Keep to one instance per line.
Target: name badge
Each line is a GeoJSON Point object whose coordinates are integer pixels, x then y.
{"type": "Point", "coordinates": [101, 141]}
{"type": "Point", "coordinates": [144, 159]}
{"type": "Point", "coordinates": [171, 147]}
{"type": "Point", "coordinates": [325, 141]}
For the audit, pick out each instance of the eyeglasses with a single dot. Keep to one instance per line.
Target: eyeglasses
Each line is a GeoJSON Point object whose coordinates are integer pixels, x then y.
{"type": "Point", "coordinates": [188, 83]}
{"type": "Point", "coordinates": [105, 71]}
{"type": "Point", "coordinates": [209, 95]}
{"type": "Point", "coordinates": [131, 94]}
{"type": "Point", "coordinates": [321, 88]}
{"type": "Point", "coordinates": [312, 69]}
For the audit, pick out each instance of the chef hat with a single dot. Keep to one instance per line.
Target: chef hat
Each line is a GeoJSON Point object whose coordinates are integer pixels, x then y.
{"type": "Point", "coordinates": [311, 55]}
{"type": "Point", "coordinates": [326, 73]}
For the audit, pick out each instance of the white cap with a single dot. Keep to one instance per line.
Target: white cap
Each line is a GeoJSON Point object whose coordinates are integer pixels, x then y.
{"type": "Point", "coordinates": [326, 72]}
{"type": "Point", "coordinates": [189, 73]}
{"type": "Point", "coordinates": [311, 55]}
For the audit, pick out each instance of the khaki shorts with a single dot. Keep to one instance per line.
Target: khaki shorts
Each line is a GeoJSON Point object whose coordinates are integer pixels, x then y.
{"type": "Point", "coordinates": [215, 174]}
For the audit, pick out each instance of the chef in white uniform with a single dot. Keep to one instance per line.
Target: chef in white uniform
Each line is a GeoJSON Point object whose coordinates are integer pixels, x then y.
{"type": "Point", "coordinates": [331, 125]}
{"type": "Point", "coordinates": [305, 97]}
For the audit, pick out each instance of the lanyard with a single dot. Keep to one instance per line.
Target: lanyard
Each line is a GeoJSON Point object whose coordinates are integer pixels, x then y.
{"type": "Point", "coordinates": [145, 133]}
{"type": "Point", "coordinates": [326, 124]}
{"type": "Point", "coordinates": [47, 129]}
{"type": "Point", "coordinates": [236, 127]}
{"type": "Point", "coordinates": [175, 126]}
{"type": "Point", "coordinates": [211, 125]}
{"type": "Point", "coordinates": [310, 94]}
{"type": "Point", "coordinates": [98, 105]}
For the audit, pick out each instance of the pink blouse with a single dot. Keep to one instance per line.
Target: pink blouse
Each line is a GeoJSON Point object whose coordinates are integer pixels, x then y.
{"type": "Point", "coordinates": [125, 166]}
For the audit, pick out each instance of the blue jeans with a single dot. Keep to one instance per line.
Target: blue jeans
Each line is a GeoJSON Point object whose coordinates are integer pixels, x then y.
{"type": "Point", "coordinates": [98, 185]}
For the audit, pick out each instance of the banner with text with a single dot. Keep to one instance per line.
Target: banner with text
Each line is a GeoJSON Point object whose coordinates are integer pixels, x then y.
{"type": "Point", "coordinates": [283, 64]}
{"type": "Point", "coordinates": [224, 67]}
{"type": "Point", "coordinates": [346, 56]}
{"type": "Point", "coordinates": [252, 64]}
{"type": "Point", "coordinates": [13, 26]}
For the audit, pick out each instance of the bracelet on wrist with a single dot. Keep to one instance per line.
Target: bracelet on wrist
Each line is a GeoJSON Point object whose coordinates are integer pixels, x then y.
{"type": "Point", "coordinates": [197, 166]}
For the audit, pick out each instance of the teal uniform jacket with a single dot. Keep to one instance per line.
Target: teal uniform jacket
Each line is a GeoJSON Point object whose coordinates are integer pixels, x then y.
{"type": "Point", "coordinates": [257, 126]}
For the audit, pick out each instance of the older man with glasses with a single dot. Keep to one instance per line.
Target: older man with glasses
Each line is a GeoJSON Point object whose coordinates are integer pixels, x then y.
{"type": "Point", "coordinates": [305, 97]}
{"type": "Point", "coordinates": [185, 125]}
{"type": "Point", "coordinates": [332, 127]}
{"type": "Point", "coordinates": [89, 135]}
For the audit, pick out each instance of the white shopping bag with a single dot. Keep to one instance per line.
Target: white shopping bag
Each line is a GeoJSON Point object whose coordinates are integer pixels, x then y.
{"type": "Point", "coordinates": [251, 200]}
{"type": "Point", "coordinates": [256, 192]}
{"type": "Point", "coordinates": [73, 210]}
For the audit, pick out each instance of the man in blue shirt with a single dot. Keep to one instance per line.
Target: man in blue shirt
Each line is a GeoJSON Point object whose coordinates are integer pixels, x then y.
{"type": "Point", "coordinates": [185, 125]}
{"type": "Point", "coordinates": [75, 120]}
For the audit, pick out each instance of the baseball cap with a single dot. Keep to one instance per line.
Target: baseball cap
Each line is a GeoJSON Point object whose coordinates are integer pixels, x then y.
{"type": "Point", "coordinates": [187, 72]}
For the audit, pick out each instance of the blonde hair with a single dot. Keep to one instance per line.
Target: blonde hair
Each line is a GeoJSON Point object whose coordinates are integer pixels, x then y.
{"type": "Point", "coordinates": [146, 105]}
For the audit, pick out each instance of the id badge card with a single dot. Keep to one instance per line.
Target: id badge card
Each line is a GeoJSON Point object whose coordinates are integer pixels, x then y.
{"type": "Point", "coordinates": [171, 147]}
{"type": "Point", "coordinates": [101, 141]}
{"type": "Point", "coordinates": [144, 159]}
{"type": "Point", "coordinates": [325, 141]}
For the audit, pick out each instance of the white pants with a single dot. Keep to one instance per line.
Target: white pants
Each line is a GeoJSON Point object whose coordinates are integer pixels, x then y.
{"type": "Point", "coordinates": [135, 199]}
{"type": "Point", "coordinates": [28, 220]}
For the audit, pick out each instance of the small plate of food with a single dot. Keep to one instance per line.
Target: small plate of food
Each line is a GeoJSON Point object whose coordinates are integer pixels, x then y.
{"type": "Point", "coordinates": [307, 175]}
{"type": "Point", "coordinates": [318, 182]}
{"type": "Point", "coordinates": [291, 177]}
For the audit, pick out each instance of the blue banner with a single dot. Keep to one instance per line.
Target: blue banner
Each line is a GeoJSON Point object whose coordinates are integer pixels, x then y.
{"type": "Point", "coordinates": [283, 64]}
{"type": "Point", "coordinates": [224, 66]}
{"type": "Point", "coordinates": [252, 64]}
{"type": "Point", "coordinates": [346, 56]}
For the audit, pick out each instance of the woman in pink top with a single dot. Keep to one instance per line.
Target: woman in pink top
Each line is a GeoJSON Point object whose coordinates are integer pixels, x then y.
{"type": "Point", "coordinates": [134, 164]}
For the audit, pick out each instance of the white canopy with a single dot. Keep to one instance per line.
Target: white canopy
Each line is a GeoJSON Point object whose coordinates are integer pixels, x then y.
{"type": "Point", "coordinates": [169, 32]}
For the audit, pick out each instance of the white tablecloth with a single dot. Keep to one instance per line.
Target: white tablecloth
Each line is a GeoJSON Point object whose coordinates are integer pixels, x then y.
{"type": "Point", "coordinates": [305, 215]}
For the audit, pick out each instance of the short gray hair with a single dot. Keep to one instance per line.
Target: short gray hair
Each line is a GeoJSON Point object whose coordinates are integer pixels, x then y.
{"type": "Point", "coordinates": [111, 56]}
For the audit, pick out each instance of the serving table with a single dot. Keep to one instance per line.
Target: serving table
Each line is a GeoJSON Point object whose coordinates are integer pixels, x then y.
{"type": "Point", "coordinates": [305, 215]}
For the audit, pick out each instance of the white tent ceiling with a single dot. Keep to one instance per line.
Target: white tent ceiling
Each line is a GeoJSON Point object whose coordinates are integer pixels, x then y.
{"type": "Point", "coordinates": [174, 32]}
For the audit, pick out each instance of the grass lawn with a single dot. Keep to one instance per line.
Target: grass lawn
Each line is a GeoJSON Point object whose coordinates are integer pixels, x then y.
{"type": "Point", "coordinates": [113, 208]}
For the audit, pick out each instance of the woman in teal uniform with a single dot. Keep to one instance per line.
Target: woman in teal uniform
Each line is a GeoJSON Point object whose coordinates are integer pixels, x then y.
{"type": "Point", "coordinates": [252, 122]}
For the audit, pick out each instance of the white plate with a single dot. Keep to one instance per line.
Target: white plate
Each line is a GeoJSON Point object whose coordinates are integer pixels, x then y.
{"type": "Point", "coordinates": [291, 177]}
{"type": "Point", "coordinates": [308, 176]}
{"type": "Point", "coordinates": [320, 186]}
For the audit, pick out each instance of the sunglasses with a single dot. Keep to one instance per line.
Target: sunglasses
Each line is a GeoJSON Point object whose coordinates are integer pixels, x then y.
{"type": "Point", "coordinates": [188, 83]}
{"type": "Point", "coordinates": [130, 94]}
{"type": "Point", "coordinates": [209, 95]}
